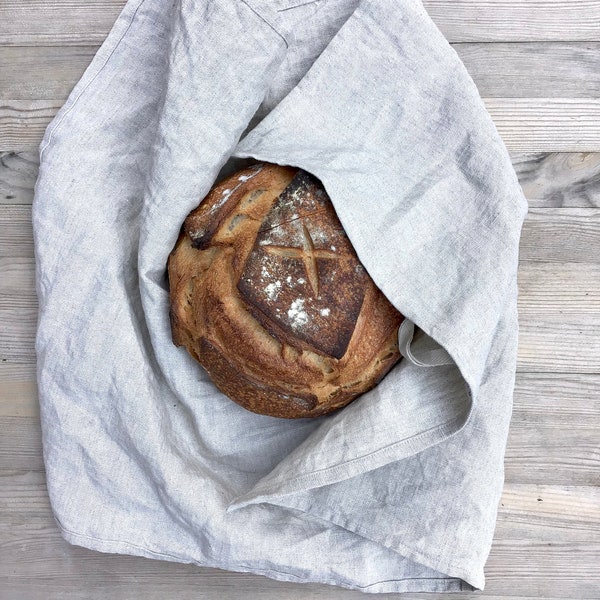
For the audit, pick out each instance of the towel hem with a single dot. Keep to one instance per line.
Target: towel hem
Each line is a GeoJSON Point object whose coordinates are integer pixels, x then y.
{"type": "Point", "coordinates": [470, 580]}
{"type": "Point", "coordinates": [386, 586]}
{"type": "Point", "coordinates": [355, 466]}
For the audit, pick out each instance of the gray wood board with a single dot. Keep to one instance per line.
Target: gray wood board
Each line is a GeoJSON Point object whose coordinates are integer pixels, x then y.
{"type": "Point", "coordinates": [545, 101]}
{"type": "Point", "coordinates": [552, 438]}
{"type": "Point", "coordinates": [525, 124]}
{"type": "Point", "coordinates": [557, 110]}
{"type": "Point", "coordinates": [562, 235]}
{"type": "Point", "coordinates": [567, 180]}
{"type": "Point", "coordinates": [545, 541]}
{"type": "Point", "coordinates": [43, 22]}
{"type": "Point", "coordinates": [558, 289]}
{"type": "Point", "coordinates": [500, 70]}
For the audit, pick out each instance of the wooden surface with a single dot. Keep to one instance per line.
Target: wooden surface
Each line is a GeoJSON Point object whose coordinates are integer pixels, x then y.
{"type": "Point", "coordinates": [537, 66]}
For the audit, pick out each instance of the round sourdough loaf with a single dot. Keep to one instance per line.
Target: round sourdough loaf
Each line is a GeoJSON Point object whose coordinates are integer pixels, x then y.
{"type": "Point", "coordinates": [269, 296]}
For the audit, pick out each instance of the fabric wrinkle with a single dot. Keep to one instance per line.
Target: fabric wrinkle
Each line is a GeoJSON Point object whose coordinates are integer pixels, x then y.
{"type": "Point", "coordinates": [399, 490]}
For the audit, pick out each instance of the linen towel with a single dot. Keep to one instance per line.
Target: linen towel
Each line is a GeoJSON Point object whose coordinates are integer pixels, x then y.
{"type": "Point", "coordinates": [399, 490]}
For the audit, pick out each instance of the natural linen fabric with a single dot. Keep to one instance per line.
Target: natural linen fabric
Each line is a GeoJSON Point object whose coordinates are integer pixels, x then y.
{"type": "Point", "coordinates": [399, 490]}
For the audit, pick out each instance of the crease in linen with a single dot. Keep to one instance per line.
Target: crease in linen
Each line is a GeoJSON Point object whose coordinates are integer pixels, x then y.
{"type": "Point", "coordinates": [399, 490]}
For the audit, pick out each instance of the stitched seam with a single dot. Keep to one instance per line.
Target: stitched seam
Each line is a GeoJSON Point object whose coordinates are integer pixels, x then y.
{"type": "Point", "coordinates": [412, 440]}
{"type": "Point", "coordinates": [239, 567]}
{"type": "Point", "coordinates": [100, 69]}
{"type": "Point", "coordinates": [301, 3]}
{"type": "Point", "coordinates": [258, 14]}
{"type": "Point", "coordinates": [106, 60]}
{"type": "Point", "coordinates": [386, 542]}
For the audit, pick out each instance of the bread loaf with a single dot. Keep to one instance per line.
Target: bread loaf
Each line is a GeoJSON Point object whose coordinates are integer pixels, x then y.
{"type": "Point", "coordinates": [269, 296]}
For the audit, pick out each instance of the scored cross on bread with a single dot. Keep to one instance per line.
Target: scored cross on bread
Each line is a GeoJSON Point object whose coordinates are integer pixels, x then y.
{"type": "Point", "coordinates": [268, 294]}
{"type": "Point", "coordinates": [308, 254]}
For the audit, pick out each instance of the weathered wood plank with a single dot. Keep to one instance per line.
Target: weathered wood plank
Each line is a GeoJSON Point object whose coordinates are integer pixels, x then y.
{"type": "Point", "coordinates": [560, 180]}
{"type": "Point", "coordinates": [544, 568]}
{"type": "Point", "coordinates": [37, 22]}
{"type": "Point", "coordinates": [23, 122]}
{"type": "Point", "coordinates": [20, 441]}
{"type": "Point", "coordinates": [18, 173]}
{"type": "Point", "coordinates": [562, 70]}
{"type": "Point", "coordinates": [556, 179]}
{"type": "Point", "coordinates": [561, 235]}
{"type": "Point", "coordinates": [16, 233]}
{"type": "Point", "coordinates": [17, 278]}
{"type": "Point", "coordinates": [555, 289]}
{"type": "Point", "coordinates": [232, 586]}
{"type": "Point", "coordinates": [82, 22]}
{"type": "Point", "coordinates": [549, 235]}
{"type": "Point", "coordinates": [546, 539]}
{"type": "Point", "coordinates": [18, 311]}
{"type": "Point", "coordinates": [18, 390]}
{"type": "Point", "coordinates": [516, 20]}
{"type": "Point", "coordinates": [553, 436]}
{"type": "Point", "coordinates": [17, 337]}
{"type": "Point", "coordinates": [544, 288]}
{"type": "Point", "coordinates": [566, 343]}
{"type": "Point", "coordinates": [525, 124]}
{"type": "Point", "coordinates": [42, 73]}
{"type": "Point", "coordinates": [558, 301]}
{"type": "Point", "coordinates": [37, 80]}
{"type": "Point", "coordinates": [547, 125]}
{"type": "Point", "coordinates": [553, 513]}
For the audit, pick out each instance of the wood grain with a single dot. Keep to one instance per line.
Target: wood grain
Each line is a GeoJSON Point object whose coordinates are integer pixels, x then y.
{"type": "Point", "coordinates": [42, 73]}
{"type": "Point", "coordinates": [16, 232]}
{"type": "Point", "coordinates": [547, 343]}
{"type": "Point", "coordinates": [555, 513]}
{"type": "Point", "coordinates": [20, 445]}
{"type": "Point", "coordinates": [18, 391]}
{"type": "Point", "coordinates": [545, 538]}
{"type": "Point", "coordinates": [83, 22]}
{"type": "Point", "coordinates": [559, 289]}
{"type": "Point", "coordinates": [560, 180]}
{"type": "Point", "coordinates": [23, 122]}
{"type": "Point", "coordinates": [547, 125]}
{"type": "Point", "coordinates": [525, 124]}
{"type": "Point", "coordinates": [60, 22]}
{"type": "Point", "coordinates": [565, 343]}
{"type": "Point", "coordinates": [562, 235]}
{"type": "Point", "coordinates": [556, 289]}
{"type": "Point", "coordinates": [541, 85]}
{"type": "Point", "coordinates": [563, 70]}
{"type": "Point", "coordinates": [553, 437]}
{"type": "Point", "coordinates": [558, 110]}
{"type": "Point", "coordinates": [18, 173]}
{"type": "Point", "coordinates": [516, 20]}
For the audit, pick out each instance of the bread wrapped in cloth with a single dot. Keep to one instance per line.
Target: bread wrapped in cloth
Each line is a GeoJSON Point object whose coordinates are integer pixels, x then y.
{"type": "Point", "coordinates": [269, 296]}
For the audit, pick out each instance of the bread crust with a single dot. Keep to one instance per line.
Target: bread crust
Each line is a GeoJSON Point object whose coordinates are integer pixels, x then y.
{"type": "Point", "coordinates": [268, 295]}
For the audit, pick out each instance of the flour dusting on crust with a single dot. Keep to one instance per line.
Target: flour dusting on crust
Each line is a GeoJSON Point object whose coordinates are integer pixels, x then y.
{"type": "Point", "coordinates": [296, 313]}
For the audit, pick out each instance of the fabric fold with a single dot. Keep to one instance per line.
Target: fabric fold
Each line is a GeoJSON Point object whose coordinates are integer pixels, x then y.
{"type": "Point", "coordinates": [407, 233]}
{"type": "Point", "coordinates": [399, 490]}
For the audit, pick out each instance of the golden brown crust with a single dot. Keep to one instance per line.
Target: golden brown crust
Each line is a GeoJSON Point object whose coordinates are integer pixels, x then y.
{"type": "Point", "coordinates": [269, 296]}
